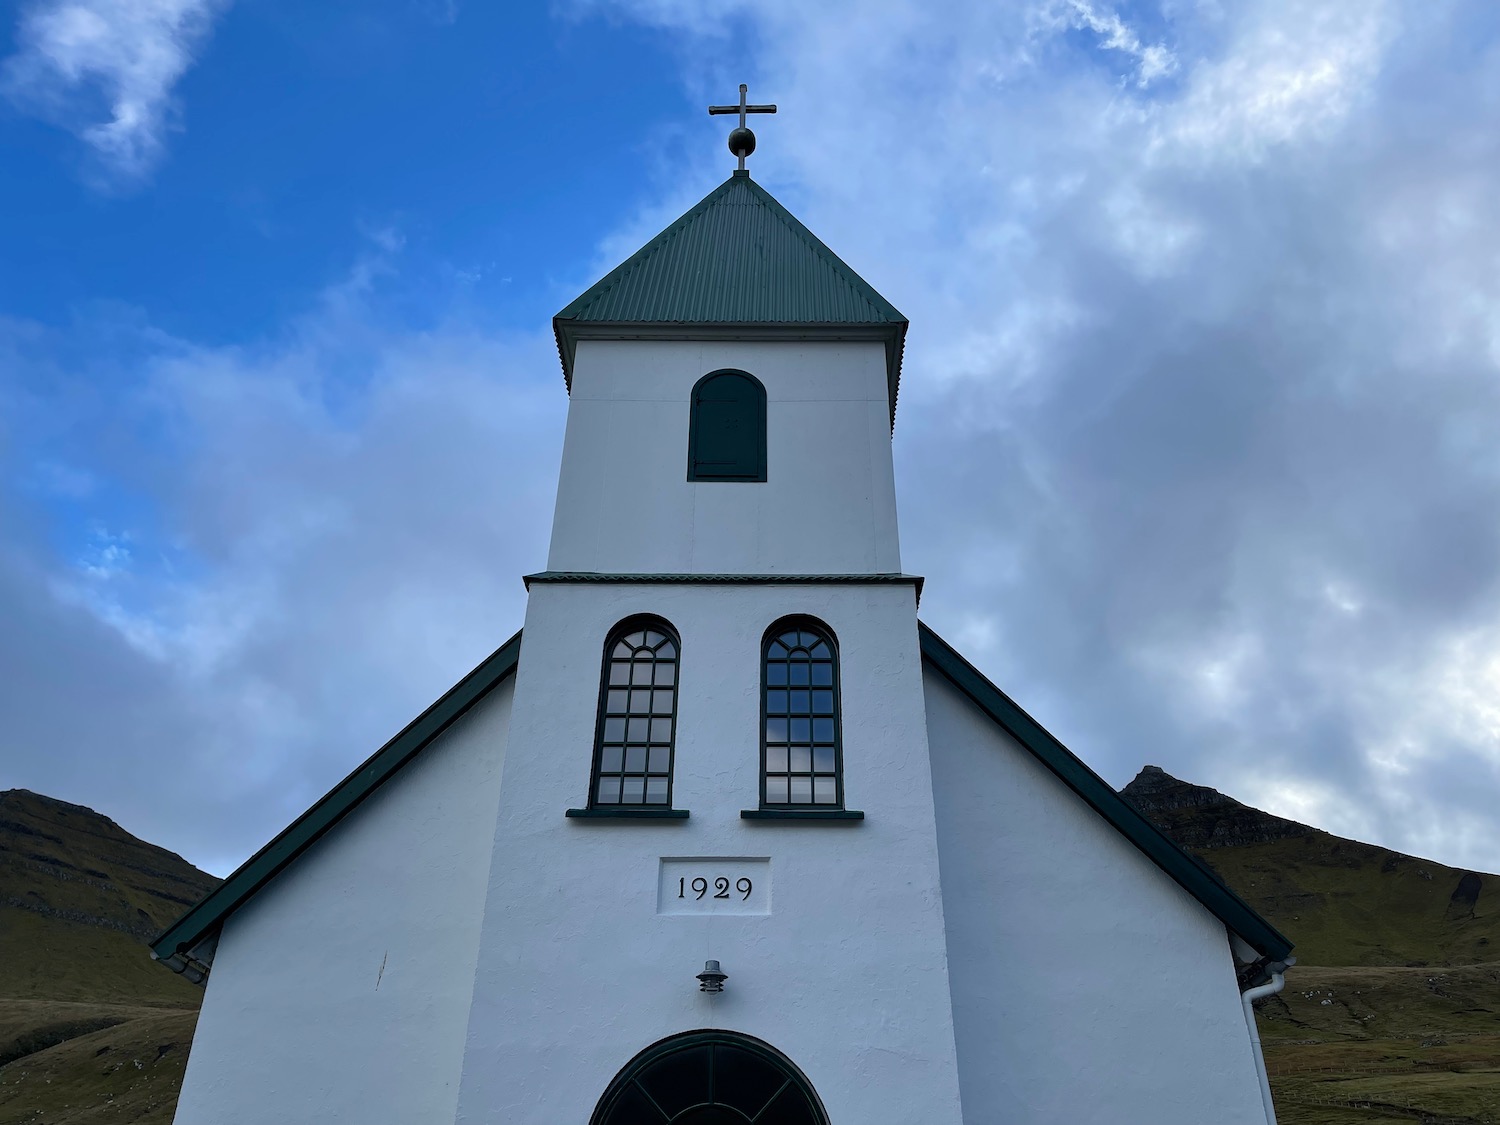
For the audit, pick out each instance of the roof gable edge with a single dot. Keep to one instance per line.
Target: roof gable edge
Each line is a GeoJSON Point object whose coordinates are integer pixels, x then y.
{"type": "Point", "coordinates": [210, 912]}
{"type": "Point", "coordinates": [1187, 872]}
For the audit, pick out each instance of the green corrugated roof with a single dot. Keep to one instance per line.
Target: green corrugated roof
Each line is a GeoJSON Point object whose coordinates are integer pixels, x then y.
{"type": "Point", "coordinates": [736, 263]}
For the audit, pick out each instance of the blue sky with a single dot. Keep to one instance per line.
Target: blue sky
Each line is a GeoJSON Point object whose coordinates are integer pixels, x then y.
{"type": "Point", "coordinates": [1197, 423]}
{"type": "Point", "coordinates": [502, 145]}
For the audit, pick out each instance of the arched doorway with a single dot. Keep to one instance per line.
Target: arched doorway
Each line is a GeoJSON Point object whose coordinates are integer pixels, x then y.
{"type": "Point", "coordinates": [710, 1078]}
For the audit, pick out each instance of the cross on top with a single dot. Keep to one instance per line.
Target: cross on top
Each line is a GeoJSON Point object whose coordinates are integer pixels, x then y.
{"type": "Point", "coordinates": [741, 140]}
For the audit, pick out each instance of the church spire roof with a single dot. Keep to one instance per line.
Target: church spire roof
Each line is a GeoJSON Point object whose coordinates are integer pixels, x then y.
{"type": "Point", "coordinates": [737, 264]}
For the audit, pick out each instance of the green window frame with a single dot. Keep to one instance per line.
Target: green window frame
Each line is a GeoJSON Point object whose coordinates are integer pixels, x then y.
{"type": "Point", "coordinates": [727, 428]}
{"type": "Point", "coordinates": [635, 732]}
{"type": "Point", "coordinates": [801, 756]}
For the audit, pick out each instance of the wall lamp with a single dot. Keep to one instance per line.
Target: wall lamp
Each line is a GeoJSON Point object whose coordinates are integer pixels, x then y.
{"type": "Point", "coordinates": [712, 978]}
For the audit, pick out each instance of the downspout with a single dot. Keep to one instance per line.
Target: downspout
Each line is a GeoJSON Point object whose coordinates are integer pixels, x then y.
{"type": "Point", "coordinates": [1277, 969]}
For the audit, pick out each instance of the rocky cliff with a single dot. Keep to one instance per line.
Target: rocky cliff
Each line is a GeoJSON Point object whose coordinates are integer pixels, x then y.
{"type": "Point", "coordinates": [1198, 817]}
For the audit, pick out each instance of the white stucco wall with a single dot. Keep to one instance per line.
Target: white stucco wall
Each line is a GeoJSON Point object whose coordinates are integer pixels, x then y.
{"type": "Point", "coordinates": [828, 505]}
{"type": "Point", "coordinates": [1087, 985]}
{"type": "Point", "coordinates": [340, 992]}
{"type": "Point", "coordinates": [847, 973]}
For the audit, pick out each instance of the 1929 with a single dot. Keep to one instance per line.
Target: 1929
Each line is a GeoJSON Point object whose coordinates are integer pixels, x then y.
{"type": "Point", "coordinates": [699, 887]}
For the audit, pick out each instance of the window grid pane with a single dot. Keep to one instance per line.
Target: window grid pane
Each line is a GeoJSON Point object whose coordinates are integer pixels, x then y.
{"type": "Point", "coordinates": [637, 714]}
{"type": "Point", "coordinates": [800, 730]}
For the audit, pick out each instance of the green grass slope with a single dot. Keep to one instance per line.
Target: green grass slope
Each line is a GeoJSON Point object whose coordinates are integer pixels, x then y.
{"type": "Point", "coordinates": [1347, 903]}
{"type": "Point", "coordinates": [128, 1071]}
{"type": "Point", "coordinates": [1393, 1010]}
{"type": "Point", "coordinates": [79, 898]}
{"type": "Point", "coordinates": [1343, 902]}
{"type": "Point", "coordinates": [1350, 1044]}
{"type": "Point", "coordinates": [91, 1029]}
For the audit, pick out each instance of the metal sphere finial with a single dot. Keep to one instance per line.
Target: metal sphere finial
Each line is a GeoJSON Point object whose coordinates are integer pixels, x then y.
{"type": "Point", "coordinates": [741, 140]}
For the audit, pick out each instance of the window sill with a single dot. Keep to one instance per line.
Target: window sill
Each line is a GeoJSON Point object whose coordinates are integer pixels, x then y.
{"type": "Point", "coordinates": [801, 814]}
{"type": "Point", "coordinates": [628, 813]}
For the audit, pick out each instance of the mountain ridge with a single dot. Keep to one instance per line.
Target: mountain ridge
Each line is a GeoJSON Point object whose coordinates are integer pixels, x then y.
{"type": "Point", "coordinates": [1341, 901]}
{"type": "Point", "coordinates": [1195, 816]}
{"type": "Point", "coordinates": [91, 1031]}
{"type": "Point", "coordinates": [79, 899]}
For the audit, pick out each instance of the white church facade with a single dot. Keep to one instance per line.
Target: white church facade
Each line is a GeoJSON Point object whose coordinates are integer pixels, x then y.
{"type": "Point", "coordinates": [723, 736]}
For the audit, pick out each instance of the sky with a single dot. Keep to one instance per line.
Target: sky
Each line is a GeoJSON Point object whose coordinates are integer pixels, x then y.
{"type": "Point", "coordinates": [1199, 434]}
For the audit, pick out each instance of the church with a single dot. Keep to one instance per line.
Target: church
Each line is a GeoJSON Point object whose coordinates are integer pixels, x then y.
{"type": "Point", "coordinates": [725, 833]}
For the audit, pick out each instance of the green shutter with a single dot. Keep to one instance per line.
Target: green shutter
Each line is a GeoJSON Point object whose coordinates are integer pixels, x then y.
{"type": "Point", "coordinates": [727, 432]}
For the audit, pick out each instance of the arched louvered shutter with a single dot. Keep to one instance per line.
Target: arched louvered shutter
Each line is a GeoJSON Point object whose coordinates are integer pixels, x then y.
{"type": "Point", "coordinates": [727, 429]}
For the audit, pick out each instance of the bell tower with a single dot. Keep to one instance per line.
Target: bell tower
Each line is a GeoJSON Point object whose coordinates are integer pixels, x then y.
{"type": "Point", "coordinates": [715, 872]}
{"type": "Point", "coordinates": [732, 396]}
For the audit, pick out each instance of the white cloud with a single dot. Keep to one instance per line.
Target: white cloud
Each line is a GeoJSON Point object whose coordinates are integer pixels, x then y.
{"type": "Point", "coordinates": [332, 531]}
{"type": "Point", "coordinates": [1153, 61]}
{"type": "Point", "coordinates": [1199, 411]}
{"type": "Point", "coordinates": [1293, 71]}
{"type": "Point", "coordinates": [106, 70]}
{"type": "Point", "coordinates": [1196, 444]}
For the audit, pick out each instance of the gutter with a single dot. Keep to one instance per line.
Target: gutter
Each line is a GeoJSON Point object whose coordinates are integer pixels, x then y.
{"type": "Point", "coordinates": [185, 965]}
{"type": "Point", "coordinates": [1277, 969]}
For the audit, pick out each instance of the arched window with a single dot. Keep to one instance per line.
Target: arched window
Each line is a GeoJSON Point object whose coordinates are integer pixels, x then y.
{"type": "Point", "coordinates": [727, 428]}
{"type": "Point", "coordinates": [633, 738]}
{"type": "Point", "coordinates": [801, 759]}
{"type": "Point", "coordinates": [710, 1078]}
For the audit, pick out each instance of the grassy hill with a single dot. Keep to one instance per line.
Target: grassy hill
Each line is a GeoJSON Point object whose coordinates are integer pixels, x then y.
{"type": "Point", "coordinates": [1393, 1010]}
{"type": "Point", "coordinates": [1373, 1044]}
{"type": "Point", "coordinates": [91, 1031]}
{"type": "Point", "coordinates": [1341, 901]}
